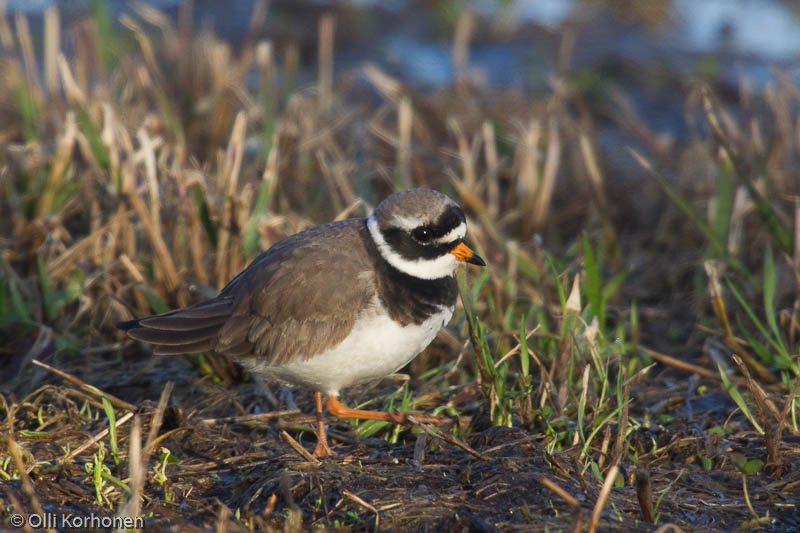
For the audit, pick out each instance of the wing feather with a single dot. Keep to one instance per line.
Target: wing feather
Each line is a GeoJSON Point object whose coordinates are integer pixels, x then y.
{"type": "Point", "coordinates": [297, 299]}
{"type": "Point", "coordinates": [305, 299]}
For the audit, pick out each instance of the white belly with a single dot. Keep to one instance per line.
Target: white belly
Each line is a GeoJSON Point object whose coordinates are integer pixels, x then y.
{"type": "Point", "coordinates": [375, 348]}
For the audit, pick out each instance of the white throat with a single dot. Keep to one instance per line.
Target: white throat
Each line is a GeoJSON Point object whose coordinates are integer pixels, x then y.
{"type": "Point", "coordinates": [418, 268]}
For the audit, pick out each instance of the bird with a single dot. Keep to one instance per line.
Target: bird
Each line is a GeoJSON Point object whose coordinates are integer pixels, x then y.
{"type": "Point", "coordinates": [335, 305]}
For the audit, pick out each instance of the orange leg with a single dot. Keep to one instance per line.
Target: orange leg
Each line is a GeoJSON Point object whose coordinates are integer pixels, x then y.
{"type": "Point", "coordinates": [337, 409]}
{"type": "Point", "coordinates": [322, 449]}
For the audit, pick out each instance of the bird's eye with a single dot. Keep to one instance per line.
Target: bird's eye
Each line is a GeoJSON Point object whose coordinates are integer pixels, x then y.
{"type": "Point", "coordinates": [422, 235]}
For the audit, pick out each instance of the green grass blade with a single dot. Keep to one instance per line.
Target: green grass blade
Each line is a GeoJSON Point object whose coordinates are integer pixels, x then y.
{"type": "Point", "coordinates": [105, 33]}
{"type": "Point", "coordinates": [562, 293]}
{"type": "Point", "coordinates": [754, 319]}
{"type": "Point", "coordinates": [251, 236]}
{"type": "Point", "coordinates": [92, 134]}
{"type": "Point", "coordinates": [761, 349]}
{"type": "Point", "coordinates": [716, 243]}
{"type": "Point", "coordinates": [156, 303]}
{"type": "Point", "coordinates": [112, 428]}
{"type": "Point", "coordinates": [770, 281]}
{"type": "Point", "coordinates": [592, 285]}
{"type": "Point", "coordinates": [479, 342]}
{"type": "Point", "coordinates": [780, 233]}
{"type": "Point", "coordinates": [524, 355]}
{"type": "Point", "coordinates": [205, 214]}
{"type": "Point", "coordinates": [28, 110]}
{"type": "Point", "coordinates": [737, 397]}
{"type": "Point", "coordinates": [48, 294]}
{"type": "Point", "coordinates": [598, 425]}
{"type": "Point", "coordinates": [723, 199]}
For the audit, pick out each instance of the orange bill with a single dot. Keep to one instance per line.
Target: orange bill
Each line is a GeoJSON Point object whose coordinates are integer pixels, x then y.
{"type": "Point", "coordinates": [464, 253]}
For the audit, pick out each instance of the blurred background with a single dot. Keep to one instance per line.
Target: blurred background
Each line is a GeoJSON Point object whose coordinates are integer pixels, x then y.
{"type": "Point", "coordinates": [643, 47]}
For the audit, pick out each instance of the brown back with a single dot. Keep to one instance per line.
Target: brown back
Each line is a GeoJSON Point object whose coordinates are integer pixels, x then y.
{"type": "Point", "coordinates": [296, 300]}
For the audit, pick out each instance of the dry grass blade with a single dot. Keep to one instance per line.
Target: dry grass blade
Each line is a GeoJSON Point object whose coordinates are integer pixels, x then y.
{"type": "Point", "coordinates": [223, 518]}
{"type": "Point", "coordinates": [492, 170]}
{"type": "Point", "coordinates": [772, 420]}
{"type": "Point", "coordinates": [547, 183]}
{"type": "Point", "coordinates": [137, 467]}
{"type": "Point", "coordinates": [62, 159]}
{"type": "Point", "coordinates": [461, 37]}
{"type": "Point", "coordinates": [52, 44]}
{"type": "Point", "coordinates": [28, 53]}
{"type": "Point", "coordinates": [360, 501]}
{"type": "Point", "coordinates": [71, 88]}
{"type": "Point", "coordinates": [600, 504]}
{"type": "Point", "coordinates": [564, 495]}
{"type": "Point", "coordinates": [296, 446]}
{"type": "Point", "coordinates": [526, 163]}
{"type": "Point", "coordinates": [116, 402]}
{"type": "Point", "coordinates": [677, 363]}
{"type": "Point", "coordinates": [230, 176]}
{"type": "Point", "coordinates": [597, 182]}
{"type": "Point", "coordinates": [95, 439]}
{"type": "Point", "coordinates": [60, 266]}
{"type": "Point", "coordinates": [155, 423]}
{"type": "Point", "coordinates": [230, 464]}
{"type": "Point", "coordinates": [715, 292]}
{"type": "Point", "coordinates": [6, 36]}
{"type": "Point", "coordinates": [327, 27]}
{"type": "Point", "coordinates": [467, 154]}
{"type": "Point", "coordinates": [433, 432]}
{"type": "Point", "coordinates": [389, 87]}
{"type": "Point", "coordinates": [27, 484]}
{"type": "Point", "coordinates": [14, 501]}
{"type": "Point", "coordinates": [405, 119]}
{"type": "Point", "coordinates": [163, 255]}
{"type": "Point", "coordinates": [621, 444]}
{"type": "Point", "coordinates": [147, 155]}
{"type": "Point", "coordinates": [145, 45]}
{"type": "Point", "coordinates": [245, 419]}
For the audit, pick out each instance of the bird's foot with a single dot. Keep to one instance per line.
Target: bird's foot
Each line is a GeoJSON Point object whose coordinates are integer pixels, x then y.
{"type": "Point", "coordinates": [323, 450]}
{"type": "Point", "coordinates": [338, 410]}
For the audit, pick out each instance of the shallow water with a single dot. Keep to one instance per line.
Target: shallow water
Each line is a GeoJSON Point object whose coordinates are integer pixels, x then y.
{"type": "Point", "coordinates": [734, 30]}
{"type": "Point", "coordinates": [515, 44]}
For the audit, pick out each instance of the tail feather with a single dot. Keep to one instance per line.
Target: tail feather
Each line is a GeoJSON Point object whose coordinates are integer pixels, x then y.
{"type": "Point", "coordinates": [181, 322]}
{"type": "Point", "coordinates": [190, 330]}
{"type": "Point", "coordinates": [210, 308]}
{"type": "Point", "coordinates": [169, 337]}
{"type": "Point", "coordinates": [201, 346]}
{"type": "Point", "coordinates": [129, 324]}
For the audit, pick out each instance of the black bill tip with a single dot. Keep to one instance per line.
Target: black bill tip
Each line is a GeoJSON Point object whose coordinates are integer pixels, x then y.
{"type": "Point", "coordinates": [476, 260]}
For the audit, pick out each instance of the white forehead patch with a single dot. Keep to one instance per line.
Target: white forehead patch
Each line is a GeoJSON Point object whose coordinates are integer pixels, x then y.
{"type": "Point", "coordinates": [455, 234]}
{"type": "Point", "coordinates": [407, 223]}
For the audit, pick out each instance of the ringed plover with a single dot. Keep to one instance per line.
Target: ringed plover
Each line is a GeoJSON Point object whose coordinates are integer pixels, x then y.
{"type": "Point", "coordinates": [335, 305]}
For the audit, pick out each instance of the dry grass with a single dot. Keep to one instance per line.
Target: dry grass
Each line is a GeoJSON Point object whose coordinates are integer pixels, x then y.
{"type": "Point", "coordinates": [630, 356]}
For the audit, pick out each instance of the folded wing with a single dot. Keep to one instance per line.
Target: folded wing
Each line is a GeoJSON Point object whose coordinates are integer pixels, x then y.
{"type": "Point", "coordinates": [297, 299]}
